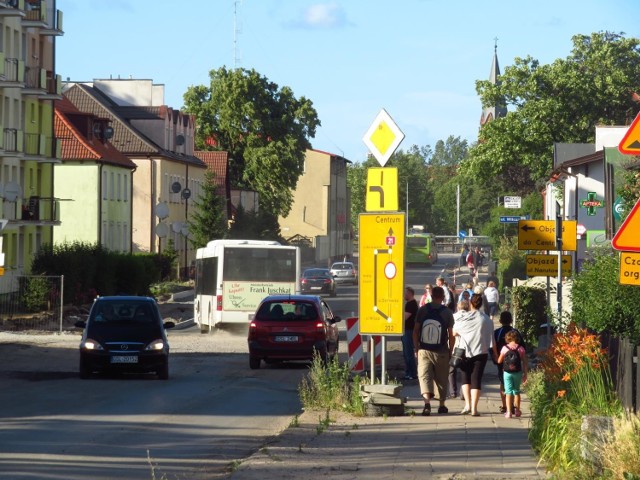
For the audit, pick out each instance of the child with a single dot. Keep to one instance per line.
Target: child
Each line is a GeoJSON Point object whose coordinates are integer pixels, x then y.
{"type": "Point", "coordinates": [514, 364]}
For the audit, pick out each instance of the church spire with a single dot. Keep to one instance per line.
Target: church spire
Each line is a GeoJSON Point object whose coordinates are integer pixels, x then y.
{"type": "Point", "coordinates": [498, 110]}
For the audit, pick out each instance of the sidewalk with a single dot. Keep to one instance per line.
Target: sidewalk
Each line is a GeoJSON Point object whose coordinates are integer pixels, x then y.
{"type": "Point", "coordinates": [450, 446]}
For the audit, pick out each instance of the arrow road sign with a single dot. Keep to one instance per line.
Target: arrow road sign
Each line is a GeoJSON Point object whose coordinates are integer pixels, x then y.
{"type": "Point", "coordinates": [547, 265]}
{"type": "Point", "coordinates": [541, 235]}
{"type": "Point", "coordinates": [514, 219]}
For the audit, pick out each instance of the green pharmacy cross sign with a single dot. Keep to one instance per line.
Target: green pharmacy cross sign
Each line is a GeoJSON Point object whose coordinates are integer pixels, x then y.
{"type": "Point", "coordinates": [591, 203]}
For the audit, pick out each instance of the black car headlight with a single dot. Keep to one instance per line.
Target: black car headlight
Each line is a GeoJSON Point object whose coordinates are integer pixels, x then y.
{"type": "Point", "coordinates": [89, 344]}
{"type": "Point", "coordinates": [155, 346]}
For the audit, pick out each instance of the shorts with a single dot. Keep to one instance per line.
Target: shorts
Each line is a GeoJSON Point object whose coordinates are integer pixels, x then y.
{"type": "Point", "coordinates": [492, 308]}
{"type": "Point", "coordinates": [473, 370]}
{"type": "Point", "coordinates": [512, 382]}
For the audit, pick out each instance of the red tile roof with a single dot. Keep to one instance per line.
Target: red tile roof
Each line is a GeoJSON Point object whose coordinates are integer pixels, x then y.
{"type": "Point", "coordinates": [76, 146]}
{"type": "Point", "coordinates": [217, 162]}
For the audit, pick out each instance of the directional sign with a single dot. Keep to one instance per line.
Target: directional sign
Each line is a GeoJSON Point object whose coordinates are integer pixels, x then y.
{"type": "Point", "coordinates": [630, 143]}
{"type": "Point", "coordinates": [382, 190]}
{"type": "Point", "coordinates": [547, 265]}
{"type": "Point", "coordinates": [629, 268]}
{"type": "Point", "coordinates": [383, 137]}
{"type": "Point", "coordinates": [381, 283]}
{"type": "Point", "coordinates": [512, 202]}
{"type": "Point", "coordinates": [627, 237]}
{"type": "Point", "coordinates": [541, 235]}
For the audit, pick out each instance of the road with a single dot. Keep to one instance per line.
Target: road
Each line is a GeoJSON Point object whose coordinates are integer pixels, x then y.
{"type": "Point", "coordinates": [213, 411]}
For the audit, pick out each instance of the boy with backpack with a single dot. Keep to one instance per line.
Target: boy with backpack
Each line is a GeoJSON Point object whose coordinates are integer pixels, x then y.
{"type": "Point", "coordinates": [514, 364]}
{"type": "Point", "coordinates": [433, 343]}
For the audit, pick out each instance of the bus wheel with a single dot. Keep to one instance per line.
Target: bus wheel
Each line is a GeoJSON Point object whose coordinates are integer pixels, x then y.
{"type": "Point", "coordinates": [254, 363]}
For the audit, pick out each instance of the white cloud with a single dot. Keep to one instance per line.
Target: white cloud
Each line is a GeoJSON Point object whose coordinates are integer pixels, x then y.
{"type": "Point", "coordinates": [322, 16]}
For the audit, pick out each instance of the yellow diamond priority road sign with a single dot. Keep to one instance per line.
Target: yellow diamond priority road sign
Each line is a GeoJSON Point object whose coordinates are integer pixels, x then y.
{"type": "Point", "coordinates": [383, 137]}
{"type": "Point", "coordinates": [381, 283]}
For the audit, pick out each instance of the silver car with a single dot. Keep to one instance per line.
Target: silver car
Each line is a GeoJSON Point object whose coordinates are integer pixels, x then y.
{"type": "Point", "coordinates": [344, 272]}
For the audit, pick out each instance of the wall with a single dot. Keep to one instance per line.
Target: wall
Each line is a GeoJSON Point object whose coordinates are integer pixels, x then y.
{"type": "Point", "coordinates": [79, 217]}
{"type": "Point", "coordinates": [132, 92]}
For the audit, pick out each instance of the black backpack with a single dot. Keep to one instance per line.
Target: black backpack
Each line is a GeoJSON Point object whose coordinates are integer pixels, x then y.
{"type": "Point", "coordinates": [511, 362]}
{"type": "Point", "coordinates": [433, 330]}
{"type": "Point", "coordinates": [499, 337]}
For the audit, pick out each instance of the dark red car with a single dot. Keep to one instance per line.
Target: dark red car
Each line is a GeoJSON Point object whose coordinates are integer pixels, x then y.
{"type": "Point", "coordinates": [292, 327]}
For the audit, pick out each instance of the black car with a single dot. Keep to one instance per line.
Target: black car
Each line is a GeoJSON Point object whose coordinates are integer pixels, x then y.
{"type": "Point", "coordinates": [318, 281]}
{"type": "Point", "coordinates": [124, 334]}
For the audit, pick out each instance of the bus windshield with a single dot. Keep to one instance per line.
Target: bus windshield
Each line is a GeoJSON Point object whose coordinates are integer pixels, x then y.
{"type": "Point", "coordinates": [259, 265]}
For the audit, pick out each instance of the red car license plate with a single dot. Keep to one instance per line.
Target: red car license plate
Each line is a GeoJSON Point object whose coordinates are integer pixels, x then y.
{"type": "Point", "coordinates": [286, 338]}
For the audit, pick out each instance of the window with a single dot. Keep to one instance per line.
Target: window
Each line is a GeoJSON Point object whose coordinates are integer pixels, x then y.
{"type": "Point", "coordinates": [119, 186]}
{"type": "Point", "coordinates": [125, 189]}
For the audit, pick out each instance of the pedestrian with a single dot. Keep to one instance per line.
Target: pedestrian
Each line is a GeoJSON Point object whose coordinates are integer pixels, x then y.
{"type": "Point", "coordinates": [493, 297]}
{"type": "Point", "coordinates": [426, 296]}
{"type": "Point", "coordinates": [458, 316]}
{"type": "Point", "coordinates": [476, 334]}
{"type": "Point", "coordinates": [499, 341]}
{"type": "Point", "coordinates": [513, 359]}
{"type": "Point", "coordinates": [464, 296]}
{"type": "Point", "coordinates": [471, 265]}
{"type": "Point", "coordinates": [410, 310]}
{"type": "Point", "coordinates": [478, 257]}
{"type": "Point", "coordinates": [463, 254]}
{"type": "Point", "coordinates": [453, 297]}
{"type": "Point", "coordinates": [447, 294]}
{"type": "Point", "coordinates": [433, 344]}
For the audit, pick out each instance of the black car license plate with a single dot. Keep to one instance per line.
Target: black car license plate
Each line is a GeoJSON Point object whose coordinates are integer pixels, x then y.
{"type": "Point", "coordinates": [124, 359]}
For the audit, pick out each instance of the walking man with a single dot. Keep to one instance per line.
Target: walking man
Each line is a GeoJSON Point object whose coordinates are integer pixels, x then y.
{"type": "Point", "coordinates": [433, 342]}
{"type": "Point", "coordinates": [410, 310]}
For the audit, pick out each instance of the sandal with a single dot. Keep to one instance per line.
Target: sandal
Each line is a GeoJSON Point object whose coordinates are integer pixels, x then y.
{"type": "Point", "coordinates": [503, 409]}
{"type": "Point", "coordinates": [476, 414]}
{"type": "Point", "coordinates": [426, 411]}
{"type": "Point", "coordinates": [465, 411]}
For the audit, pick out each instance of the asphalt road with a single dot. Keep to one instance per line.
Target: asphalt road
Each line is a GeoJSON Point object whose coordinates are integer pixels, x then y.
{"type": "Point", "coordinates": [213, 411]}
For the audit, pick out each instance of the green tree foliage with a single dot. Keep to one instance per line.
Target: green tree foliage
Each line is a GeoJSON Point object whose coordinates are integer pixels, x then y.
{"type": "Point", "coordinates": [255, 226]}
{"type": "Point", "coordinates": [600, 302]}
{"type": "Point", "coordinates": [530, 304]}
{"type": "Point", "coordinates": [559, 102]}
{"type": "Point", "coordinates": [265, 129]}
{"type": "Point", "coordinates": [630, 191]}
{"type": "Point", "coordinates": [208, 222]}
{"type": "Point", "coordinates": [511, 261]}
{"type": "Point", "coordinates": [357, 185]}
{"type": "Point", "coordinates": [531, 205]}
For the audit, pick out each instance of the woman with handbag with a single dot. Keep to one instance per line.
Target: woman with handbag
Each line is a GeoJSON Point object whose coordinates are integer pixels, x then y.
{"type": "Point", "coordinates": [457, 360]}
{"type": "Point", "coordinates": [476, 334]}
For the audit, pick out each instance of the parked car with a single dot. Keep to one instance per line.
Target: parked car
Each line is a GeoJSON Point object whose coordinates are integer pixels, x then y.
{"type": "Point", "coordinates": [292, 327]}
{"type": "Point", "coordinates": [318, 281]}
{"type": "Point", "coordinates": [124, 334]}
{"type": "Point", "coordinates": [344, 272]}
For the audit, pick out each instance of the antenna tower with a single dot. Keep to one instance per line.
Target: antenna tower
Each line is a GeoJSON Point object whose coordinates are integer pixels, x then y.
{"type": "Point", "coordinates": [237, 29]}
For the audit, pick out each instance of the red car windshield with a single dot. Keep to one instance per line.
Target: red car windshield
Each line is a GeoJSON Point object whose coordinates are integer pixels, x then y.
{"type": "Point", "coordinates": [284, 311]}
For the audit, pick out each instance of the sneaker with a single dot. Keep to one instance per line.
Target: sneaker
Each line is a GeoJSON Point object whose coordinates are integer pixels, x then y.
{"type": "Point", "coordinates": [426, 411]}
{"type": "Point", "coordinates": [518, 412]}
{"type": "Point", "coordinates": [443, 409]}
{"type": "Point", "coordinates": [507, 415]}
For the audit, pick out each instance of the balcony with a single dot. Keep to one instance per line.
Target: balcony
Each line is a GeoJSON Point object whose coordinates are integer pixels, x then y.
{"type": "Point", "coordinates": [41, 148]}
{"type": "Point", "coordinates": [53, 87]}
{"type": "Point", "coordinates": [35, 81]}
{"type": "Point", "coordinates": [11, 72]}
{"type": "Point", "coordinates": [37, 210]}
{"type": "Point", "coordinates": [13, 142]}
{"type": "Point", "coordinates": [35, 14]}
{"type": "Point", "coordinates": [55, 29]}
{"type": "Point", "coordinates": [12, 8]}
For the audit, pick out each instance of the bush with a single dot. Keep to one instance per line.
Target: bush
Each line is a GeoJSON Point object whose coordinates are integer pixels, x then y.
{"type": "Point", "coordinates": [35, 292]}
{"type": "Point", "coordinates": [511, 261]}
{"type": "Point", "coordinates": [530, 304]}
{"type": "Point", "coordinates": [329, 387]}
{"type": "Point", "coordinates": [621, 453]}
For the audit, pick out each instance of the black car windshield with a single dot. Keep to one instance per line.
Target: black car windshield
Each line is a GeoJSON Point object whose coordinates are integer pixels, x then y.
{"type": "Point", "coordinates": [289, 310]}
{"type": "Point", "coordinates": [316, 272]}
{"type": "Point", "coordinates": [123, 312]}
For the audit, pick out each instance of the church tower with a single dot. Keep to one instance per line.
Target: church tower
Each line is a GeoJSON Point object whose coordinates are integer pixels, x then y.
{"type": "Point", "coordinates": [498, 110]}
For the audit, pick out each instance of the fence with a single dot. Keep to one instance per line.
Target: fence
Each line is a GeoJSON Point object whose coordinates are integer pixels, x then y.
{"type": "Point", "coordinates": [35, 305]}
{"type": "Point", "coordinates": [623, 356]}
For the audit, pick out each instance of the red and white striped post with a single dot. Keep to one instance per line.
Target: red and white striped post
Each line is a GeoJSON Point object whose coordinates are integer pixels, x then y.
{"type": "Point", "coordinates": [354, 343]}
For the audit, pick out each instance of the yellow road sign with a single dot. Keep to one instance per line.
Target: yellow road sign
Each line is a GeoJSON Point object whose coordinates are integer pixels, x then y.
{"type": "Point", "coordinates": [383, 137]}
{"type": "Point", "coordinates": [630, 268]}
{"type": "Point", "coordinates": [547, 265]}
{"type": "Point", "coordinates": [1, 271]}
{"type": "Point", "coordinates": [382, 190]}
{"type": "Point", "coordinates": [381, 282]}
{"type": "Point", "coordinates": [541, 235]}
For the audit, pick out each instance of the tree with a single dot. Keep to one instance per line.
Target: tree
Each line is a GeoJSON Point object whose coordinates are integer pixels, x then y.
{"type": "Point", "coordinates": [255, 226]}
{"type": "Point", "coordinates": [265, 129]}
{"type": "Point", "coordinates": [559, 102]}
{"type": "Point", "coordinates": [208, 221]}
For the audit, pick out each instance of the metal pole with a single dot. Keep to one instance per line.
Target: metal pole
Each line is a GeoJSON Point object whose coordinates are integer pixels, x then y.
{"type": "Point", "coordinates": [61, 300]}
{"type": "Point", "coordinates": [372, 359]}
{"type": "Point", "coordinates": [383, 374]}
{"type": "Point", "coordinates": [458, 210]}
{"type": "Point", "coordinates": [559, 287]}
{"type": "Point", "coordinates": [407, 208]}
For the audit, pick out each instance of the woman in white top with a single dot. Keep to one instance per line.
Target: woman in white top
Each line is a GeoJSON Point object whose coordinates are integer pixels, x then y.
{"type": "Point", "coordinates": [493, 297]}
{"type": "Point", "coordinates": [476, 336]}
{"type": "Point", "coordinates": [426, 296]}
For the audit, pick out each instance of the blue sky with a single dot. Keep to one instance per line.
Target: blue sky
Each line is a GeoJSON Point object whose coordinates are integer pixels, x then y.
{"type": "Point", "coordinates": [418, 59]}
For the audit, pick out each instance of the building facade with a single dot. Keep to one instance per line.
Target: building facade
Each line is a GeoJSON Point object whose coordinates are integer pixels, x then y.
{"type": "Point", "coordinates": [28, 148]}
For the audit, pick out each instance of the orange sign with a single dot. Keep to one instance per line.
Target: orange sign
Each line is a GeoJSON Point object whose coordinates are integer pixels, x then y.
{"type": "Point", "coordinates": [627, 238]}
{"type": "Point", "coordinates": [630, 143]}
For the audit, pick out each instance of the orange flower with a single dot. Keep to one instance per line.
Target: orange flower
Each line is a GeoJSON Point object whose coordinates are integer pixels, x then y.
{"type": "Point", "coordinates": [566, 377]}
{"type": "Point", "coordinates": [561, 393]}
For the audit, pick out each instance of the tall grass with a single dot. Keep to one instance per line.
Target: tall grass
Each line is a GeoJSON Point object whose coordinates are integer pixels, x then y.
{"type": "Point", "coordinates": [621, 453]}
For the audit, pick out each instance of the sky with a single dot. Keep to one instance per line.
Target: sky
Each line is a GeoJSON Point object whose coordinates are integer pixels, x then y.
{"type": "Point", "coordinates": [417, 59]}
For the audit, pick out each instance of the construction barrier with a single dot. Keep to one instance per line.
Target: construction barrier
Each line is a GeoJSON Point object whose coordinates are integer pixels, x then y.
{"type": "Point", "coordinates": [354, 343]}
{"type": "Point", "coordinates": [377, 346]}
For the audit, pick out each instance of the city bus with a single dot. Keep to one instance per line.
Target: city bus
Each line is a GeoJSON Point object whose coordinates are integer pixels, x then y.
{"type": "Point", "coordinates": [233, 276]}
{"type": "Point", "coordinates": [421, 248]}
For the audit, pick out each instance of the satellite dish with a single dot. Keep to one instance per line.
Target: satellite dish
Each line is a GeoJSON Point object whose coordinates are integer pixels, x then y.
{"type": "Point", "coordinates": [176, 187]}
{"type": "Point", "coordinates": [185, 230]}
{"type": "Point", "coordinates": [176, 227]}
{"type": "Point", "coordinates": [162, 210]}
{"type": "Point", "coordinates": [97, 129]}
{"type": "Point", "coordinates": [186, 194]}
{"type": "Point", "coordinates": [162, 230]}
{"type": "Point", "coordinates": [180, 140]}
{"type": "Point", "coordinates": [108, 133]}
{"type": "Point", "coordinates": [12, 191]}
